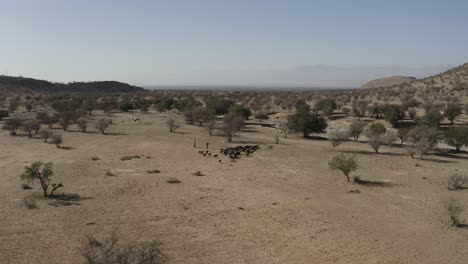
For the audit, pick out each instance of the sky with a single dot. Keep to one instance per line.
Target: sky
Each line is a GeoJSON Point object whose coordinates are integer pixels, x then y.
{"type": "Point", "coordinates": [236, 42]}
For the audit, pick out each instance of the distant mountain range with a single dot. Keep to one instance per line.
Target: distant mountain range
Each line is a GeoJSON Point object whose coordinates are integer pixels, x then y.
{"type": "Point", "coordinates": [317, 76]}
{"type": "Point", "coordinates": [11, 84]}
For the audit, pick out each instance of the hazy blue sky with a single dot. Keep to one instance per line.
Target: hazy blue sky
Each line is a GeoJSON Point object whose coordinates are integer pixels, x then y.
{"type": "Point", "coordinates": [170, 42]}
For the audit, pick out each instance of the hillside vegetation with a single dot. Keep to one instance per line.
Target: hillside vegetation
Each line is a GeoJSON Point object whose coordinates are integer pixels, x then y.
{"type": "Point", "coordinates": [10, 84]}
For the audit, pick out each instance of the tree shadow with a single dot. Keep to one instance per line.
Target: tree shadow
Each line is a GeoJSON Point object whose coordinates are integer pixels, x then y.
{"type": "Point", "coordinates": [439, 160]}
{"type": "Point", "coordinates": [249, 130]}
{"type": "Point", "coordinates": [85, 132]}
{"type": "Point", "coordinates": [370, 183]}
{"type": "Point", "coordinates": [247, 142]}
{"type": "Point", "coordinates": [66, 199]}
{"type": "Point", "coordinates": [115, 134]}
{"type": "Point", "coordinates": [315, 137]}
{"type": "Point", "coordinates": [451, 155]}
{"type": "Point", "coordinates": [367, 152]}
{"type": "Point", "coordinates": [182, 133]}
{"type": "Point", "coordinates": [66, 147]}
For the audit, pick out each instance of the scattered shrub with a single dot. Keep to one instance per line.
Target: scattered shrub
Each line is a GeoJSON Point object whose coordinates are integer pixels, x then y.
{"type": "Point", "coordinates": [45, 134]}
{"type": "Point", "coordinates": [173, 180]}
{"type": "Point", "coordinates": [29, 202]}
{"type": "Point", "coordinates": [82, 124]}
{"type": "Point", "coordinates": [198, 173]}
{"type": "Point", "coordinates": [454, 209]}
{"type": "Point", "coordinates": [130, 157]}
{"type": "Point", "coordinates": [172, 125]}
{"type": "Point", "coordinates": [153, 171]}
{"type": "Point", "coordinates": [113, 250]}
{"type": "Point", "coordinates": [110, 174]}
{"type": "Point", "coordinates": [102, 124]}
{"type": "Point", "coordinates": [57, 139]}
{"type": "Point", "coordinates": [456, 181]}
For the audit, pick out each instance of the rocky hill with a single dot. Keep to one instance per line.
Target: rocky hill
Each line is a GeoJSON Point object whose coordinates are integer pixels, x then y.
{"type": "Point", "coordinates": [455, 79]}
{"type": "Point", "coordinates": [10, 84]}
{"type": "Point", "coordinates": [388, 82]}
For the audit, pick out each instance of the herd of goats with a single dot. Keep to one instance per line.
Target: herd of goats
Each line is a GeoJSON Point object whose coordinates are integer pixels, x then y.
{"type": "Point", "coordinates": [233, 152]}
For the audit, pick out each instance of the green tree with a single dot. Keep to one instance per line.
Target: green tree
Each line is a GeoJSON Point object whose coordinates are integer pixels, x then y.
{"type": "Point", "coordinates": [432, 118]}
{"type": "Point", "coordinates": [306, 123]}
{"type": "Point", "coordinates": [344, 163]}
{"type": "Point", "coordinates": [375, 129]}
{"type": "Point", "coordinates": [356, 128]}
{"type": "Point", "coordinates": [41, 172]}
{"type": "Point", "coordinates": [241, 110]}
{"type": "Point", "coordinates": [452, 110]}
{"type": "Point", "coordinates": [327, 106]}
{"type": "Point", "coordinates": [457, 137]}
{"type": "Point", "coordinates": [393, 114]}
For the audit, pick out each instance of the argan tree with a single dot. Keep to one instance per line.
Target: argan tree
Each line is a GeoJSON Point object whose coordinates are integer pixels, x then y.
{"type": "Point", "coordinates": [41, 172]}
{"type": "Point", "coordinates": [356, 128]}
{"type": "Point", "coordinates": [344, 163]}
{"type": "Point", "coordinates": [337, 137]}
{"type": "Point", "coordinates": [82, 124]}
{"type": "Point", "coordinates": [393, 114]}
{"type": "Point", "coordinates": [30, 126]}
{"type": "Point", "coordinates": [456, 137]}
{"type": "Point", "coordinates": [102, 124]}
{"type": "Point", "coordinates": [305, 122]}
{"type": "Point", "coordinates": [13, 125]}
{"type": "Point", "coordinates": [423, 139]}
{"type": "Point", "coordinates": [57, 139]}
{"type": "Point", "coordinates": [232, 123]}
{"type": "Point", "coordinates": [452, 110]}
{"type": "Point", "coordinates": [45, 134]}
{"type": "Point", "coordinates": [172, 125]}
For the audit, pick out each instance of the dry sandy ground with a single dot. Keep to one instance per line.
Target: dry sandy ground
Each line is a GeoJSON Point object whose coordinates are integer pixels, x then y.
{"type": "Point", "coordinates": [280, 206]}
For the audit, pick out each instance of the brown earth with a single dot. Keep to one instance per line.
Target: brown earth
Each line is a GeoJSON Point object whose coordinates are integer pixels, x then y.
{"type": "Point", "coordinates": [282, 205]}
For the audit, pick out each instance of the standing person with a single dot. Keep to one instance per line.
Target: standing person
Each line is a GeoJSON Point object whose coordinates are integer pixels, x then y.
{"type": "Point", "coordinates": [194, 143]}
{"type": "Point", "coordinates": [207, 145]}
